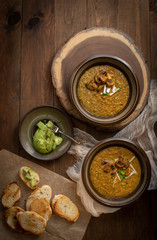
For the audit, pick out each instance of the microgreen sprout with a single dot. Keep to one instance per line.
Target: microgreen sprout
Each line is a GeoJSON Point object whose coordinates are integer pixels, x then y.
{"type": "Point", "coordinates": [121, 174]}
{"type": "Point", "coordinates": [119, 89]}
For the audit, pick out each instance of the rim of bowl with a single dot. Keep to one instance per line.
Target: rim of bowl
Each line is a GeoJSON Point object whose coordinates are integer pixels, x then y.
{"type": "Point", "coordinates": [121, 65]}
{"type": "Point", "coordinates": [145, 172]}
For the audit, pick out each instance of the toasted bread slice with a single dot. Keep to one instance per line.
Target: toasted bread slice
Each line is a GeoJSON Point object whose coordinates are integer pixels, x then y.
{"type": "Point", "coordinates": [44, 191]}
{"type": "Point", "coordinates": [65, 208]}
{"type": "Point", "coordinates": [11, 219]}
{"type": "Point", "coordinates": [29, 177]}
{"type": "Point", "coordinates": [42, 207]}
{"type": "Point", "coordinates": [32, 222]}
{"type": "Point", "coordinates": [11, 195]}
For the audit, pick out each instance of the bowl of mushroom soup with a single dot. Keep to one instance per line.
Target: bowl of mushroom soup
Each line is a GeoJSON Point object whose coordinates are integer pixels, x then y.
{"type": "Point", "coordinates": [104, 90]}
{"type": "Point", "coordinates": [116, 172]}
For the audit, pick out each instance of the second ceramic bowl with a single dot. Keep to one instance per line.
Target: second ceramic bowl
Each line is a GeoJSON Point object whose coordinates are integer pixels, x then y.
{"type": "Point", "coordinates": [115, 201]}
{"type": "Point", "coordinates": [117, 63]}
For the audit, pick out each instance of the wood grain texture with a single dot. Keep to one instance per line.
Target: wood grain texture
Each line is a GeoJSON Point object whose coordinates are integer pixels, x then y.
{"type": "Point", "coordinates": [31, 33]}
{"type": "Point", "coordinates": [153, 37]}
{"type": "Point", "coordinates": [10, 56]}
{"type": "Point", "coordinates": [124, 224]}
{"type": "Point", "coordinates": [37, 52]}
{"type": "Point", "coordinates": [135, 25]}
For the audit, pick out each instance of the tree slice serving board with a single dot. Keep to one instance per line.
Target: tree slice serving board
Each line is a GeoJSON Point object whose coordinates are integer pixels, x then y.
{"type": "Point", "coordinates": [95, 41]}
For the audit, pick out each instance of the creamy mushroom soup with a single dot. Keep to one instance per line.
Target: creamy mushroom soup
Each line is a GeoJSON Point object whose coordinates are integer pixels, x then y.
{"type": "Point", "coordinates": [115, 172]}
{"type": "Point", "coordinates": [103, 90]}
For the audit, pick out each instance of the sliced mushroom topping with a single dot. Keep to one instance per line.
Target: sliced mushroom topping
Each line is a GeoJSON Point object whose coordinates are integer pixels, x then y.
{"type": "Point", "coordinates": [103, 78]}
{"type": "Point", "coordinates": [126, 163]}
{"type": "Point", "coordinates": [103, 83]}
{"type": "Point", "coordinates": [100, 88]}
{"type": "Point", "coordinates": [122, 162]}
{"type": "Point", "coordinates": [109, 76]}
{"type": "Point", "coordinates": [108, 165]}
{"type": "Point", "coordinates": [92, 85]}
{"type": "Point", "coordinates": [128, 171]}
{"type": "Point", "coordinates": [97, 77]}
{"type": "Point", "coordinates": [119, 163]}
{"type": "Point", "coordinates": [100, 77]}
{"type": "Point", "coordinates": [110, 82]}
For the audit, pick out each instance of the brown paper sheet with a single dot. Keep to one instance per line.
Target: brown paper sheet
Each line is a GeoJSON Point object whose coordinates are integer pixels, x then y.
{"type": "Point", "coordinates": [57, 228]}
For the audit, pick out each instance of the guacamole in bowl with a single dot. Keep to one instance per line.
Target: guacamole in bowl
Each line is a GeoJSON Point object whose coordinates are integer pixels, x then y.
{"type": "Point", "coordinates": [44, 140]}
{"type": "Point", "coordinates": [36, 135]}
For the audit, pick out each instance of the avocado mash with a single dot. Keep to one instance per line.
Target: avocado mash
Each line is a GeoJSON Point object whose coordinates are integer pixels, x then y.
{"type": "Point", "coordinates": [44, 140]}
{"type": "Point", "coordinates": [31, 176]}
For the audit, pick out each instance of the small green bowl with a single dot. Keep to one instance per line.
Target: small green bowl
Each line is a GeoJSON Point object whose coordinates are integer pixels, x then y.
{"type": "Point", "coordinates": [28, 128]}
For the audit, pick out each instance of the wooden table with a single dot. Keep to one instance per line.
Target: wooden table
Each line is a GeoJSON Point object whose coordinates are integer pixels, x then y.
{"type": "Point", "coordinates": [31, 32]}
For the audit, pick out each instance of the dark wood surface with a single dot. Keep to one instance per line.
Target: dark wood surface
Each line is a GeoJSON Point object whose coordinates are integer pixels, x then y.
{"type": "Point", "coordinates": [31, 32]}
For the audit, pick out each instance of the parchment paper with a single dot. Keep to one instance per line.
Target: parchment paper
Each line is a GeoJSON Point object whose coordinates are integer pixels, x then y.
{"type": "Point", "coordinates": [57, 228]}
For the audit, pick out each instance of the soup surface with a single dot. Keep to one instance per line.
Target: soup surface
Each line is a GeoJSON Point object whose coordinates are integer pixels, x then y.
{"type": "Point", "coordinates": [115, 172]}
{"type": "Point", "coordinates": [103, 90]}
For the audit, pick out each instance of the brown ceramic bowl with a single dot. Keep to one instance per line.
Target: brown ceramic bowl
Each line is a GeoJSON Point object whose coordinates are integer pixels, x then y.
{"type": "Point", "coordinates": [118, 64]}
{"type": "Point", "coordinates": [144, 180]}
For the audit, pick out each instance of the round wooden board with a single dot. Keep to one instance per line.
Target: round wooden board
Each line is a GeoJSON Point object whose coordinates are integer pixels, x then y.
{"type": "Point", "coordinates": [95, 41]}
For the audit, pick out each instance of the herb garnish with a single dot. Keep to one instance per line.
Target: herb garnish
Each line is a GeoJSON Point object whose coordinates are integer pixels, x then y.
{"type": "Point", "coordinates": [119, 89]}
{"type": "Point", "coordinates": [121, 174]}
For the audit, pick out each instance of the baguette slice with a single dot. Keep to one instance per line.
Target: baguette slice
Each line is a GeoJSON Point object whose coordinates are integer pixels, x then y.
{"type": "Point", "coordinates": [11, 195]}
{"type": "Point", "coordinates": [44, 191]}
{"type": "Point", "coordinates": [31, 222]}
{"type": "Point", "coordinates": [30, 178]}
{"type": "Point", "coordinates": [65, 208]}
{"type": "Point", "coordinates": [42, 207]}
{"type": "Point", "coordinates": [11, 219]}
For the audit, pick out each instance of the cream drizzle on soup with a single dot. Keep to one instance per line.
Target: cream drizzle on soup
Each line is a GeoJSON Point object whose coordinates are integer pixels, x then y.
{"type": "Point", "coordinates": [103, 90]}
{"type": "Point", "coordinates": [115, 172]}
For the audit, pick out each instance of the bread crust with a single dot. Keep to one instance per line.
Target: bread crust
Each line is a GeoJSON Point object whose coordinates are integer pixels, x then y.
{"type": "Point", "coordinates": [11, 195]}
{"type": "Point", "coordinates": [32, 222]}
{"type": "Point", "coordinates": [64, 207]}
{"type": "Point", "coordinates": [44, 191]}
{"type": "Point", "coordinates": [11, 219]}
{"type": "Point", "coordinates": [27, 181]}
